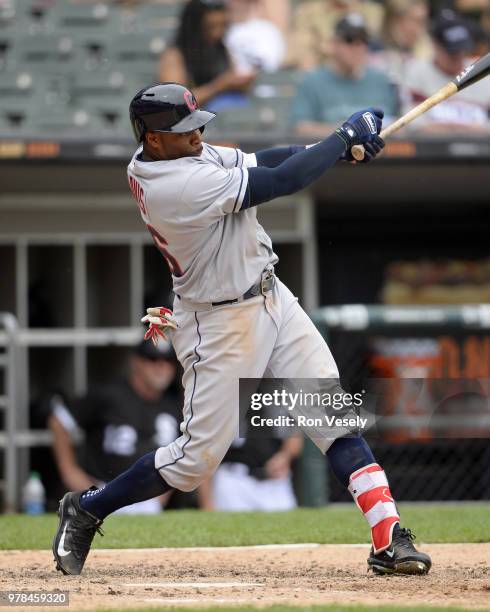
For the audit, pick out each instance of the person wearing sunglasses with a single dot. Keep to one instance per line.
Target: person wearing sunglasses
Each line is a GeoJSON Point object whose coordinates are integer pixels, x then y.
{"type": "Point", "coordinates": [336, 89]}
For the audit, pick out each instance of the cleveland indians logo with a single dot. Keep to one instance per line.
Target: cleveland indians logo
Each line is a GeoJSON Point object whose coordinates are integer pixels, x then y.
{"type": "Point", "coordinates": [190, 101]}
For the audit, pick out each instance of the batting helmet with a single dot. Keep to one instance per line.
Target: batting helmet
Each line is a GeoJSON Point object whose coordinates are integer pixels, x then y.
{"type": "Point", "coordinates": [166, 107]}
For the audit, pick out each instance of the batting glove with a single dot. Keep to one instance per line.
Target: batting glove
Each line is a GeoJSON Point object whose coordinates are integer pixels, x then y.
{"type": "Point", "coordinates": [361, 127]}
{"type": "Point", "coordinates": [371, 149]}
{"type": "Point", "coordinates": [159, 320]}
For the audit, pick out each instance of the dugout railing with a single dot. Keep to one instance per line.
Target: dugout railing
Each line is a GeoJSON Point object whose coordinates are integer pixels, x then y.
{"type": "Point", "coordinates": [8, 396]}
{"type": "Point", "coordinates": [17, 437]}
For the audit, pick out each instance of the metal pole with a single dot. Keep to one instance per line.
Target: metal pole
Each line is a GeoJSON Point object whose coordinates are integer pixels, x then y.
{"type": "Point", "coordinates": [306, 212]}
{"type": "Point", "coordinates": [10, 324]}
{"type": "Point", "coordinates": [136, 282]}
{"type": "Point", "coordinates": [80, 315]}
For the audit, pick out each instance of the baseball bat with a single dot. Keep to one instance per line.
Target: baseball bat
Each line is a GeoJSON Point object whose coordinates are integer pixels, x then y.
{"type": "Point", "coordinates": [470, 75]}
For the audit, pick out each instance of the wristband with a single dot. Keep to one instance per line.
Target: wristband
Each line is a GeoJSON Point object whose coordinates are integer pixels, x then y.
{"type": "Point", "coordinates": [347, 133]}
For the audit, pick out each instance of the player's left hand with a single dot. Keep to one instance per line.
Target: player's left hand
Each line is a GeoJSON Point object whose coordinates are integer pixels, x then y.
{"type": "Point", "coordinates": [371, 150]}
{"type": "Point", "coordinates": [159, 320]}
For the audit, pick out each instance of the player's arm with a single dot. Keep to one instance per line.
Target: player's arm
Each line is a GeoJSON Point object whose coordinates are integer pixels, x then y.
{"type": "Point", "coordinates": [271, 158]}
{"type": "Point", "coordinates": [279, 465]}
{"type": "Point", "coordinates": [301, 169]}
{"type": "Point", "coordinates": [72, 475]}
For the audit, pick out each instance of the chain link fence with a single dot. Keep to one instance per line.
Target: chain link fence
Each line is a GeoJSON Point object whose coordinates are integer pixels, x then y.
{"type": "Point", "coordinates": [434, 444]}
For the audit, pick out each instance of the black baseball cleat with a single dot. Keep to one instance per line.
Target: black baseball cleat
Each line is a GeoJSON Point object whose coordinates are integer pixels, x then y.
{"type": "Point", "coordinates": [75, 533]}
{"type": "Point", "coordinates": [401, 557]}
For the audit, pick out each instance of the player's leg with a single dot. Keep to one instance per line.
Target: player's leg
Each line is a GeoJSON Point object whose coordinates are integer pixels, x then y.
{"type": "Point", "coordinates": [392, 549]}
{"type": "Point", "coordinates": [215, 348]}
{"type": "Point", "coordinates": [81, 513]}
{"type": "Point", "coordinates": [301, 352]}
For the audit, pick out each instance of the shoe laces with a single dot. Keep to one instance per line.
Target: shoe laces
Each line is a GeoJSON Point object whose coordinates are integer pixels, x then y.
{"type": "Point", "coordinates": [83, 534]}
{"type": "Point", "coordinates": [404, 537]}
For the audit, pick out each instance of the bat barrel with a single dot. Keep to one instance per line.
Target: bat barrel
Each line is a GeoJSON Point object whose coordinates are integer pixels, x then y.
{"type": "Point", "coordinates": [473, 73]}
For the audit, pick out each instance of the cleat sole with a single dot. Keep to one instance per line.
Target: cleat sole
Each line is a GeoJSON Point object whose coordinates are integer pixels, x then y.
{"type": "Point", "coordinates": [406, 568]}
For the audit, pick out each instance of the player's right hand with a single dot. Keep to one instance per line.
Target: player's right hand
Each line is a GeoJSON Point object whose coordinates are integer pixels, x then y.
{"type": "Point", "coordinates": [361, 127]}
{"type": "Point", "coordinates": [159, 320]}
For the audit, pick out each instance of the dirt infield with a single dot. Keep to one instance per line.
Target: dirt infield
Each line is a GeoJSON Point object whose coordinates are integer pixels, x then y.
{"type": "Point", "coordinates": [255, 575]}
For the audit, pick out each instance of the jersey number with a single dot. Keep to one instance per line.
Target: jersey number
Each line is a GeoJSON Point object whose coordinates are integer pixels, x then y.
{"type": "Point", "coordinates": [161, 245]}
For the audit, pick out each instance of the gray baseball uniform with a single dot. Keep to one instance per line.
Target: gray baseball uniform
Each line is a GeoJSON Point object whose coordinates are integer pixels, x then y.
{"type": "Point", "coordinates": [192, 208]}
{"type": "Point", "coordinates": [216, 252]}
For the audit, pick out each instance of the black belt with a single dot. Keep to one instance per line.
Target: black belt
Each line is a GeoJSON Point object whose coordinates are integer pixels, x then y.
{"type": "Point", "coordinates": [265, 285]}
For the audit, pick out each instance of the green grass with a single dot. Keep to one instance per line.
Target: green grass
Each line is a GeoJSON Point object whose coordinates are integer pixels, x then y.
{"type": "Point", "coordinates": [331, 525]}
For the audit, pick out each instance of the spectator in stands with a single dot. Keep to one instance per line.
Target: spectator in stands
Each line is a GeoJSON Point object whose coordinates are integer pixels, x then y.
{"type": "Point", "coordinates": [330, 93]}
{"type": "Point", "coordinates": [277, 12]}
{"type": "Point", "coordinates": [485, 20]}
{"type": "Point", "coordinates": [314, 25]}
{"type": "Point", "coordinates": [254, 41]}
{"type": "Point", "coordinates": [471, 7]}
{"type": "Point", "coordinates": [404, 36]}
{"type": "Point", "coordinates": [254, 475]}
{"type": "Point", "coordinates": [120, 421]}
{"type": "Point", "coordinates": [453, 47]}
{"type": "Point", "coordinates": [199, 57]}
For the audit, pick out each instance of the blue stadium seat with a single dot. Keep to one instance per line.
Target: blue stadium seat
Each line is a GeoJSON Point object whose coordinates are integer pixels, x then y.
{"type": "Point", "coordinates": [109, 111]}
{"type": "Point", "coordinates": [136, 56]}
{"type": "Point", "coordinates": [136, 47]}
{"type": "Point", "coordinates": [67, 16]}
{"type": "Point", "coordinates": [14, 109]}
{"type": "Point", "coordinates": [97, 83]}
{"type": "Point", "coordinates": [37, 50]}
{"type": "Point", "coordinates": [31, 17]}
{"type": "Point", "coordinates": [62, 120]}
{"type": "Point", "coordinates": [152, 17]}
{"type": "Point", "coordinates": [25, 88]}
{"type": "Point", "coordinates": [7, 14]}
{"type": "Point", "coordinates": [7, 41]}
{"type": "Point", "coordinates": [259, 115]}
{"type": "Point", "coordinates": [16, 83]}
{"type": "Point", "coordinates": [138, 74]}
{"type": "Point", "coordinates": [282, 83]}
{"type": "Point", "coordinates": [104, 96]}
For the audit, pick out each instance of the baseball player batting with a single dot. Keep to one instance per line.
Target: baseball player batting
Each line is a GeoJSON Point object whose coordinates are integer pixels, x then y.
{"type": "Point", "coordinates": [232, 316]}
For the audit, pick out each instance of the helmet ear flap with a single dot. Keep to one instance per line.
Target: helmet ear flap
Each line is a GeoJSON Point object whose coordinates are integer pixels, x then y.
{"type": "Point", "coordinates": [141, 128]}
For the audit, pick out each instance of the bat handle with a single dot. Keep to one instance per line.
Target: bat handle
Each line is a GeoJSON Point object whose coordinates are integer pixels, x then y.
{"type": "Point", "coordinates": [358, 152]}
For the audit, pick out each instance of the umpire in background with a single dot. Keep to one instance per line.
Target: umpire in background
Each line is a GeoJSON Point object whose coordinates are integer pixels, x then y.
{"type": "Point", "coordinates": [120, 422]}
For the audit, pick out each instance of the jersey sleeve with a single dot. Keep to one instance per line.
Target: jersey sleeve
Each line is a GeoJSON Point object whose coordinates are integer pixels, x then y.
{"type": "Point", "coordinates": [229, 157]}
{"type": "Point", "coordinates": [212, 192]}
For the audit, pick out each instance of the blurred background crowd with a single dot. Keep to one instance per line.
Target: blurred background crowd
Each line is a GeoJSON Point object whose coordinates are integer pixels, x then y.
{"type": "Point", "coordinates": [72, 65]}
{"type": "Point", "coordinates": [78, 268]}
